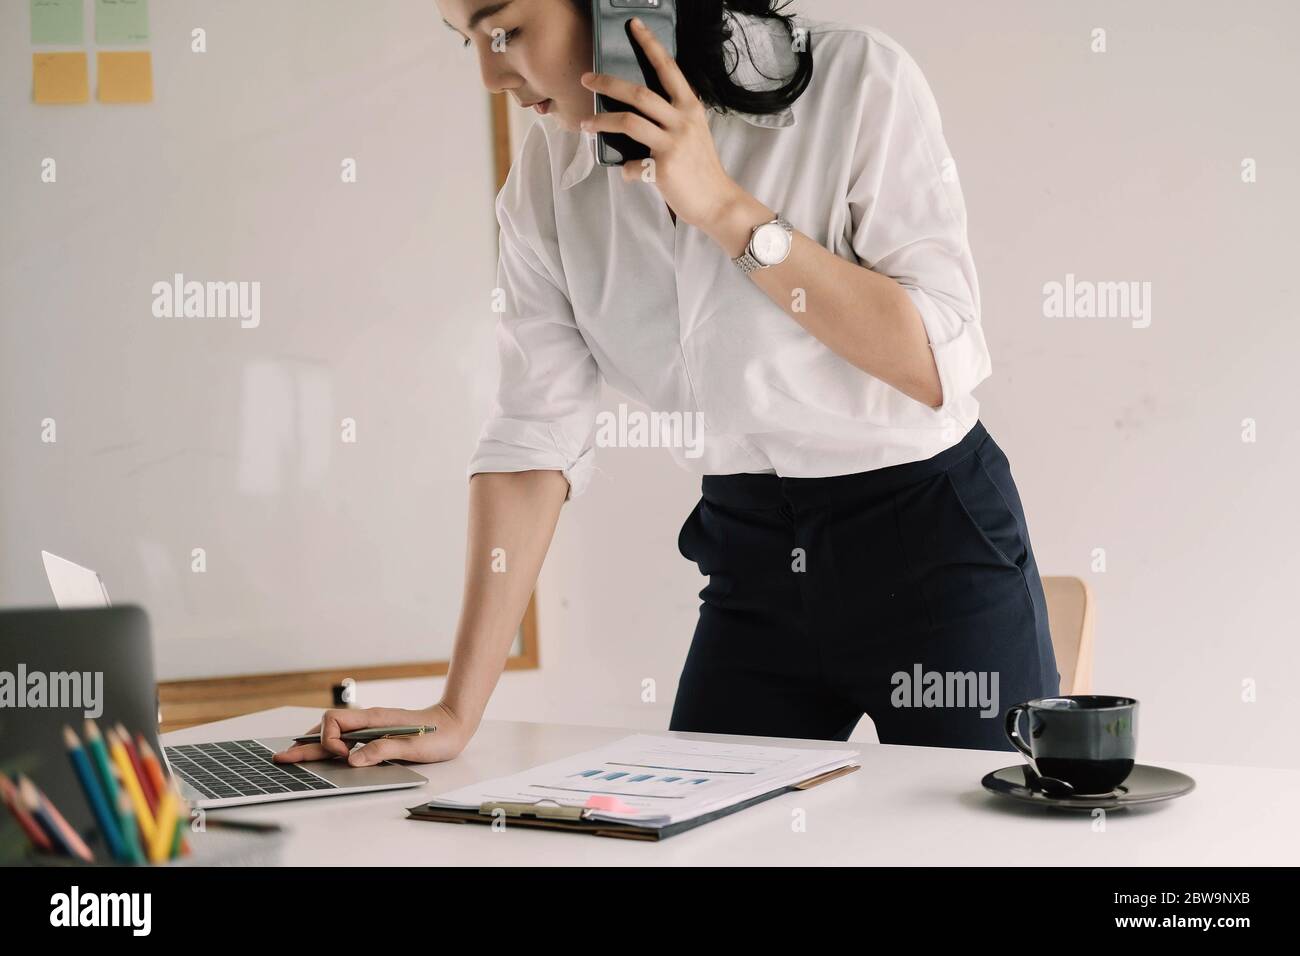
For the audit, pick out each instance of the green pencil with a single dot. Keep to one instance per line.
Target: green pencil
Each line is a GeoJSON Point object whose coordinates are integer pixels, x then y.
{"type": "Point", "coordinates": [99, 758]}
{"type": "Point", "coordinates": [129, 830]}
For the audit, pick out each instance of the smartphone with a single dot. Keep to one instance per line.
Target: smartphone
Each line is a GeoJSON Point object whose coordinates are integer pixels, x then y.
{"type": "Point", "coordinates": [616, 52]}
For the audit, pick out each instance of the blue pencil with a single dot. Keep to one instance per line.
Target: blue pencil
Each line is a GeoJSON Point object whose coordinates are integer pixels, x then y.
{"type": "Point", "coordinates": [106, 819]}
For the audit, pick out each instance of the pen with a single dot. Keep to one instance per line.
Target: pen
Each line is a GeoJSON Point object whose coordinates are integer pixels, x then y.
{"type": "Point", "coordinates": [371, 733]}
{"type": "Point", "coordinates": [248, 826]}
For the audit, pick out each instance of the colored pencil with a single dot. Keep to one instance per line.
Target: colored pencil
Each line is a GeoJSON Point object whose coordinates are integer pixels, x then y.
{"type": "Point", "coordinates": [183, 821]}
{"type": "Point", "coordinates": [103, 765]}
{"type": "Point", "coordinates": [146, 785]}
{"type": "Point", "coordinates": [49, 817]}
{"type": "Point", "coordinates": [104, 816]}
{"type": "Point", "coordinates": [29, 826]}
{"type": "Point", "coordinates": [132, 834]}
{"type": "Point", "coordinates": [179, 846]}
{"type": "Point", "coordinates": [164, 834]}
{"type": "Point", "coordinates": [126, 773]}
{"type": "Point", "coordinates": [152, 767]}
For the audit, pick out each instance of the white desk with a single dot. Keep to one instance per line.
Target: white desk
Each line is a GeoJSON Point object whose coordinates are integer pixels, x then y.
{"type": "Point", "coordinates": [906, 806]}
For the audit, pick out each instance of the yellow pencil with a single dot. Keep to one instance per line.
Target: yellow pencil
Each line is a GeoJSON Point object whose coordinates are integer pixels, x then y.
{"type": "Point", "coordinates": [132, 787]}
{"type": "Point", "coordinates": [160, 847]}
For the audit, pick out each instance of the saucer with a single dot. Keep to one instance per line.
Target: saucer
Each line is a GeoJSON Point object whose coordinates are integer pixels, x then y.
{"type": "Point", "coordinates": [1145, 784]}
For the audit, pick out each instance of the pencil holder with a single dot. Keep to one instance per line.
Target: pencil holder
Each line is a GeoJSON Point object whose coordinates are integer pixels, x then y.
{"type": "Point", "coordinates": [212, 847]}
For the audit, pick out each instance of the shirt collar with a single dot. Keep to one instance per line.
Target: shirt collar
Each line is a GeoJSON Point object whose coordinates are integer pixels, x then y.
{"type": "Point", "coordinates": [768, 65]}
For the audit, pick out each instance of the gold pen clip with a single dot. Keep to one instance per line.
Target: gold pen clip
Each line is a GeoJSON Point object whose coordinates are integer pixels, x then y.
{"type": "Point", "coordinates": [419, 733]}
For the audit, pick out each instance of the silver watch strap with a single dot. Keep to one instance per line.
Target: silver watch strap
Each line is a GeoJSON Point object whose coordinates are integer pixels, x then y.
{"type": "Point", "coordinates": [747, 262]}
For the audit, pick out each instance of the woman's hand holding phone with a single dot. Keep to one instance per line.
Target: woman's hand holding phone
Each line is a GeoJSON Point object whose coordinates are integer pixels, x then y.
{"type": "Point", "coordinates": [685, 168]}
{"type": "Point", "coordinates": [446, 742]}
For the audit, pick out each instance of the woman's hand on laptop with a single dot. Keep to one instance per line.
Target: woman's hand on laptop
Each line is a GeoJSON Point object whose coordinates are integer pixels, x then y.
{"type": "Point", "coordinates": [448, 740]}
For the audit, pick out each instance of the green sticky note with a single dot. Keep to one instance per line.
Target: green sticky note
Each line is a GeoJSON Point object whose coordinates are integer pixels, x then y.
{"type": "Point", "coordinates": [57, 21]}
{"type": "Point", "coordinates": [121, 21]}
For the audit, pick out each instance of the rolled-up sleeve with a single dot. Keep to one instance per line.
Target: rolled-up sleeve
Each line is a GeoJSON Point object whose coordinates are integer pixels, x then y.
{"type": "Point", "coordinates": [909, 218]}
{"type": "Point", "coordinates": [545, 410]}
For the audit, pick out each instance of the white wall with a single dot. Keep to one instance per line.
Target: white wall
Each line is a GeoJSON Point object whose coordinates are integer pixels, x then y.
{"type": "Point", "coordinates": [176, 434]}
{"type": "Point", "coordinates": [1116, 166]}
{"type": "Point", "coordinates": [1113, 167]}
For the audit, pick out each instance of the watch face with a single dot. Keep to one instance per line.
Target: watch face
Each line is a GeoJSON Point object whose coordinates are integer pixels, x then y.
{"type": "Point", "coordinates": [771, 243]}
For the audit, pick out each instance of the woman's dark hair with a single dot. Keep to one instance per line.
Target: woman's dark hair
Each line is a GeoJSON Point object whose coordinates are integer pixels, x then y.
{"type": "Point", "coordinates": [702, 31]}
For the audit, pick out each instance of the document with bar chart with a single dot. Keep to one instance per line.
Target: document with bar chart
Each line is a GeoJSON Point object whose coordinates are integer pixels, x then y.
{"type": "Point", "coordinates": [654, 781]}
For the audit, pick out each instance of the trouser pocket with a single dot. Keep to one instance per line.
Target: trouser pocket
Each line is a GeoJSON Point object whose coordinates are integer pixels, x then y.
{"type": "Point", "coordinates": [985, 501]}
{"type": "Point", "coordinates": [704, 540]}
{"type": "Point", "coordinates": [685, 543]}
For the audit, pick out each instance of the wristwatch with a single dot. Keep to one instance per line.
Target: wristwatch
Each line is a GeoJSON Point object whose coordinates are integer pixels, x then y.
{"type": "Point", "coordinates": [769, 244]}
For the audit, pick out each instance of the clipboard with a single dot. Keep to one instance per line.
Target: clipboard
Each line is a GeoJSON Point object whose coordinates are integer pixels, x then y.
{"type": "Point", "coordinates": [578, 820]}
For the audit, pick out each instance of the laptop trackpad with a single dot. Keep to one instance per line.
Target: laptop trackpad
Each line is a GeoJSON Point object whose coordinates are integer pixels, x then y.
{"type": "Point", "coordinates": [341, 775]}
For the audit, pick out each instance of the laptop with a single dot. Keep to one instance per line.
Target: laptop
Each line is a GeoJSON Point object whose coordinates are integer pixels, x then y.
{"type": "Point", "coordinates": [115, 642]}
{"type": "Point", "coordinates": [73, 585]}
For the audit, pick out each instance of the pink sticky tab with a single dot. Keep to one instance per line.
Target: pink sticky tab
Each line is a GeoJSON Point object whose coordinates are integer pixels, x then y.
{"type": "Point", "coordinates": [608, 804]}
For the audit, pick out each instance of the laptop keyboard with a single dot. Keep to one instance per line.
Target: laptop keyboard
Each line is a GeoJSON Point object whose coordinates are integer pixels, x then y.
{"type": "Point", "coordinates": [240, 768]}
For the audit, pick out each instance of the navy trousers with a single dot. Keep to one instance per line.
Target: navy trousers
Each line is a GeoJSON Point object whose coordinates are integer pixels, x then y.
{"type": "Point", "coordinates": [908, 593]}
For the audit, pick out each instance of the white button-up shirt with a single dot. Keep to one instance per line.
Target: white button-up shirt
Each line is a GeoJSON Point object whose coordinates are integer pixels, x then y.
{"type": "Point", "coordinates": [597, 280]}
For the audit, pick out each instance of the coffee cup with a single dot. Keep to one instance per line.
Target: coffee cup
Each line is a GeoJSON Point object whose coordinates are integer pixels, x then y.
{"type": "Point", "coordinates": [1088, 742]}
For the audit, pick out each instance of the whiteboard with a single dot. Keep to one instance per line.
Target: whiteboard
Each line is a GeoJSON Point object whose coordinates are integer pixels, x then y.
{"type": "Point", "coordinates": [173, 434]}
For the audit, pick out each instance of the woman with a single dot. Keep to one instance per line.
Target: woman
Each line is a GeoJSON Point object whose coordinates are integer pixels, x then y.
{"type": "Point", "coordinates": [792, 266]}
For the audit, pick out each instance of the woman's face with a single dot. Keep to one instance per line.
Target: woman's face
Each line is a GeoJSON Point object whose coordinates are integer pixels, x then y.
{"type": "Point", "coordinates": [540, 50]}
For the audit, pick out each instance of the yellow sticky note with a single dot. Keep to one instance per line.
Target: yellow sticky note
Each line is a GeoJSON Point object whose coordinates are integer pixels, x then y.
{"type": "Point", "coordinates": [60, 78]}
{"type": "Point", "coordinates": [125, 77]}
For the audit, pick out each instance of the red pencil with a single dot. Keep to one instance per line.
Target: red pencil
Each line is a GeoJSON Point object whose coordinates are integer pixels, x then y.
{"type": "Point", "coordinates": [33, 829]}
{"type": "Point", "coordinates": [151, 796]}
{"type": "Point", "coordinates": [156, 776]}
{"type": "Point", "coordinates": [40, 807]}
{"type": "Point", "coordinates": [152, 768]}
